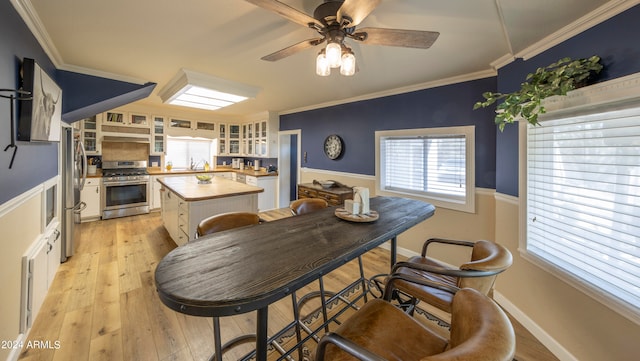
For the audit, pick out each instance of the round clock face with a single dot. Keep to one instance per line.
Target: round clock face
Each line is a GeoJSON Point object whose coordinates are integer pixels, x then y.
{"type": "Point", "coordinates": [333, 146]}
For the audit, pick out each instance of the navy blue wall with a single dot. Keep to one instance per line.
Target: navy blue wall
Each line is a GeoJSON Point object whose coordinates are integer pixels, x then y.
{"type": "Point", "coordinates": [356, 123]}
{"type": "Point", "coordinates": [82, 96]}
{"type": "Point", "coordinates": [615, 41]}
{"type": "Point", "coordinates": [37, 161]}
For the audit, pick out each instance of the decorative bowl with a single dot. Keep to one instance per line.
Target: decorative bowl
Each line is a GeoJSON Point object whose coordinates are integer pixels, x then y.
{"type": "Point", "coordinates": [204, 178]}
{"type": "Point", "coordinates": [327, 184]}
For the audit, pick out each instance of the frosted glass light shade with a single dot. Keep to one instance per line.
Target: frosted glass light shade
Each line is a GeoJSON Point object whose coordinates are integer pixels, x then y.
{"type": "Point", "coordinates": [348, 66]}
{"type": "Point", "coordinates": [322, 65]}
{"type": "Point", "coordinates": [334, 54]}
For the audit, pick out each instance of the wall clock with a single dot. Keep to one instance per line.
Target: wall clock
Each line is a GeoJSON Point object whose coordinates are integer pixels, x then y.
{"type": "Point", "coordinates": [333, 146]}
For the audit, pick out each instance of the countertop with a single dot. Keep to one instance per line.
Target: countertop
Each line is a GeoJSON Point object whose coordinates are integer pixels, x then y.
{"type": "Point", "coordinates": [261, 173]}
{"type": "Point", "coordinates": [190, 190]}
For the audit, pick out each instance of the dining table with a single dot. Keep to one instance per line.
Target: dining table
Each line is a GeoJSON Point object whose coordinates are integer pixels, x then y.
{"type": "Point", "coordinates": [248, 268]}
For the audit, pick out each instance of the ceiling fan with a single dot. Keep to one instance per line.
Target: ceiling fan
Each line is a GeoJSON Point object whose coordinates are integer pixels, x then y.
{"type": "Point", "coordinates": [336, 20]}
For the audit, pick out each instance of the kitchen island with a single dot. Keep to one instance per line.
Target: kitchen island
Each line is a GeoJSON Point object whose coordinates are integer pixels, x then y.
{"type": "Point", "coordinates": [185, 203]}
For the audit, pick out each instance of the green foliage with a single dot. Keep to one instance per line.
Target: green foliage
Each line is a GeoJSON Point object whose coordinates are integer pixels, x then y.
{"type": "Point", "coordinates": [555, 79]}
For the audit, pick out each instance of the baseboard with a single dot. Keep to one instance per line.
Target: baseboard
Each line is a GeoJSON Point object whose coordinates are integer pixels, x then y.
{"type": "Point", "coordinates": [549, 342]}
{"type": "Point", "coordinates": [15, 351]}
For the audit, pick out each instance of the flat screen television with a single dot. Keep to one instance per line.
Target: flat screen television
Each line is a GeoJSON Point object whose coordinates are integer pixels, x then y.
{"type": "Point", "coordinates": [39, 117]}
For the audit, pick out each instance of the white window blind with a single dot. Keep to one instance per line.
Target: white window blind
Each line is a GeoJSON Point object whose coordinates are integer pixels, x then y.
{"type": "Point", "coordinates": [583, 200]}
{"type": "Point", "coordinates": [180, 151]}
{"type": "Point", "coordinates": [432, 163]}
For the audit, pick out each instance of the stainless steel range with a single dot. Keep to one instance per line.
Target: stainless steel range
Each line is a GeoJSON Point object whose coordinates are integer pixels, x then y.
{"type": "Point", "coordinates": [125, 188]}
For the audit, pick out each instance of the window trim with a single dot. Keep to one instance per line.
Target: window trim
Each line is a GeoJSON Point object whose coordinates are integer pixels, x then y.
{"type": "Point", "coordinates": [469, 132]}
{"type": "Point", "coordinates": [617, 94]}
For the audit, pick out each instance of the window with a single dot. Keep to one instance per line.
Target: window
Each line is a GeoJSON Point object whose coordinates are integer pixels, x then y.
{"type": "Point", "coordinates": [432, 163]}
{"type": "Point", "coordinates": [583, 203]}
{"type": "Point", "coordinates": [182, 150]}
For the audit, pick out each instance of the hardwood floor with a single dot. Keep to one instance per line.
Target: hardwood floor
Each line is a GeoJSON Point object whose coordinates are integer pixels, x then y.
{"type": "Point", "coordinates": [103, 303]}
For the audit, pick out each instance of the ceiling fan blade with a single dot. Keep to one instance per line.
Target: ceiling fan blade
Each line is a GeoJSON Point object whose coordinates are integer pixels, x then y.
{"type": "Point", "coordinates": [288, 51]}
{"type": "Point", "coordinates": [356, 10]}
{"type": "Point", "coordinates": [397, 37]}
{"type": "Point", "coordinates": [286, 12]}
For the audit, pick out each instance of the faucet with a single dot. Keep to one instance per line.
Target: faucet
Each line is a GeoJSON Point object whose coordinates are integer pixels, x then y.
{"type": "Point", "coordinates": [194, 166]}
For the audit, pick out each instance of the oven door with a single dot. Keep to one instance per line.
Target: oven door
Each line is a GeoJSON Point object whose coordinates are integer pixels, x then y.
{"type": "Point", "coordinates": [125, 198]}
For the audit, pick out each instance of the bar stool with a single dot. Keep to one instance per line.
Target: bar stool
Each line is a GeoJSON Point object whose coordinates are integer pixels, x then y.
{"type": "Point", "coordinates": [218, 223]}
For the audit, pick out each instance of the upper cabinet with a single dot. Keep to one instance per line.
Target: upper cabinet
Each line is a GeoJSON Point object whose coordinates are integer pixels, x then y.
{"type": "Point", "coordinates": [233, 139]}
{"type": "Point", "coordinates": [192, 128]}
{"type": "Point", "coordinates": [90, 134]}
{"type": "Point", "coordinates": [158, 136]}
{"type": "Point", "coordinates": [126, 119]}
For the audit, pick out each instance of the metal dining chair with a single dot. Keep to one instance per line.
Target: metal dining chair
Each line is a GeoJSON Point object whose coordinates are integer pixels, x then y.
{"type": "Point", "coordinates": [487, 260]}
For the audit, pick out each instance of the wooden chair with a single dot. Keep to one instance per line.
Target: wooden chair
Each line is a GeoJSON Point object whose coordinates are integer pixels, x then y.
{"type": "Point", "coordinates": [480, 330]}
{"type": "Point", "coordinates": [225, 221]}
{"type": "Point", "coordinates": [488, 259]}
{"type": "Point", "coordinates": [307, 205]}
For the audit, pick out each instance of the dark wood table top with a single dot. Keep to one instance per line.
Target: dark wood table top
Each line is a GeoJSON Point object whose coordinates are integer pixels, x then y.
{"type": "Point", "coordinates": [248, 268]}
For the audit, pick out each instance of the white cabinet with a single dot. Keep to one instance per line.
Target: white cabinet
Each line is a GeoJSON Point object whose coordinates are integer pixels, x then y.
{"type": "Point", "coordinates": [119, 118]}
{"type": "Point", "coordinates": [90, 134]}
{"type": "Point", "coordinates": [156, 194]}
{"type": "Point", "coordinates": [226, 175]}
{"type": "Point", "coordinates": [222, 140]}
{"type": "Point", "coordinates": [233, 135]}
{"type": "Point", "coordinates": [90, 195]}
{"type": "Point", "coordinates": [266, 199]}
{"type": "Point", "coordinates": [170, 214]}
{"type": "Point", "coordinates": [158, 136]}
{"type": "Point", "coordinates": [192, 128]}
{"type": "Point", "coordinates": [260, 135]}
{"type": "Point", "coordinates": [230, 140]}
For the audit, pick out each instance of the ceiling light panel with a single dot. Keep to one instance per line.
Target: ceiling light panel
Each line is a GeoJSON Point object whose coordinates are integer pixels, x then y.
{"type": "Point", "coordinates": [198, 90]}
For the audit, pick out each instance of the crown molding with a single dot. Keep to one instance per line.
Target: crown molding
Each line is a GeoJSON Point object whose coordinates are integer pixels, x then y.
{"type": "Point", "coordinates": [599, 15]}
{"type": "Point", "coordinates": [102, 74]}
{"type": "Point", "coordinates": [407, 89]}
{"type": "Point", "coordinates": [30, 17]}
{"type": "Point", "coordinates": [33, 22]}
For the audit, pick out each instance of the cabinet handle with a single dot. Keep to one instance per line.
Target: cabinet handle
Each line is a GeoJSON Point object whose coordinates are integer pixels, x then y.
{"type": "Point", "coordinates": [97, 190]}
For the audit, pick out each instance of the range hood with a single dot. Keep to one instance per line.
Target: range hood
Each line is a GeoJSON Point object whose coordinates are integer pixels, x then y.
{"type": "Point", "coordinates": [127, 138]}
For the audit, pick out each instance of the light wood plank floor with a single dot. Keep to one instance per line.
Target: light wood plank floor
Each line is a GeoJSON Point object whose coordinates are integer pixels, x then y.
{"type": "Point", "coordinates": [103, 304]}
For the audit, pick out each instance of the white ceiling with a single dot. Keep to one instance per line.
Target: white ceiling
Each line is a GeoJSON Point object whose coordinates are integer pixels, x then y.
{"type": "Point", "coordinates": [150, 40]}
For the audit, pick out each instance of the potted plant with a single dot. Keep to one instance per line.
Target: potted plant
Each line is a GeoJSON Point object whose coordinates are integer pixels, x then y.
{"type": "Point", "coordinates": [555, 79]}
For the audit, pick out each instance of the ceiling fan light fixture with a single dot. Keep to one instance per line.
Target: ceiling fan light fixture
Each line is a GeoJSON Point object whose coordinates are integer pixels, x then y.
{"type": "Point", "coordinates": [203, 91]}
{"type": "Point", "coordinates": [322, 64]}
{"type": "Point", "coordinates": [348, 66]}
{"type": "Point", "coordinates": [334, 54]}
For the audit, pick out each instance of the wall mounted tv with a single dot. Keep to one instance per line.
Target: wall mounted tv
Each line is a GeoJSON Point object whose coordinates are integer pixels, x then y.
{"type": "Point", "coordinates": [40, 116]}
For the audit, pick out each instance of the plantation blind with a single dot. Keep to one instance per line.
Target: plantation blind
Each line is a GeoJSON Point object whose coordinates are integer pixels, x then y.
{"type": "Point", "coordinates": [430, 165]}
{"type": "Point", "coordinates": [583, 200]}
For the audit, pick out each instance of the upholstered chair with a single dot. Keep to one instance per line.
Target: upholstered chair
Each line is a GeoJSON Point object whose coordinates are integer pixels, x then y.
{"type": "Point", "coordinates": [487, 260]}
{"type": "Point", "coordinates": [379, 331]}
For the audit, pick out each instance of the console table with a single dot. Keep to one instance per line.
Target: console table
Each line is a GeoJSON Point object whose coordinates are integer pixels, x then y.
{"type": "Point", "coordinates": [335, 196]}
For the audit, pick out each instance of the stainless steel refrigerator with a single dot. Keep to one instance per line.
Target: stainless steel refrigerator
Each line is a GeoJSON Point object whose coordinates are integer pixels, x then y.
{"type": "Point", "coordinates": [74, 174]}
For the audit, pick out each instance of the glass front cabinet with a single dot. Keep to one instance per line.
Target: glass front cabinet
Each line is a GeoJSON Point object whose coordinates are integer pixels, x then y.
{"type": "Point", "coordinates": [90, 129]}
{"type": "Point", "coordinates": [159, 142]}
{"type": "Point", "coordinates": [234, 139]}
